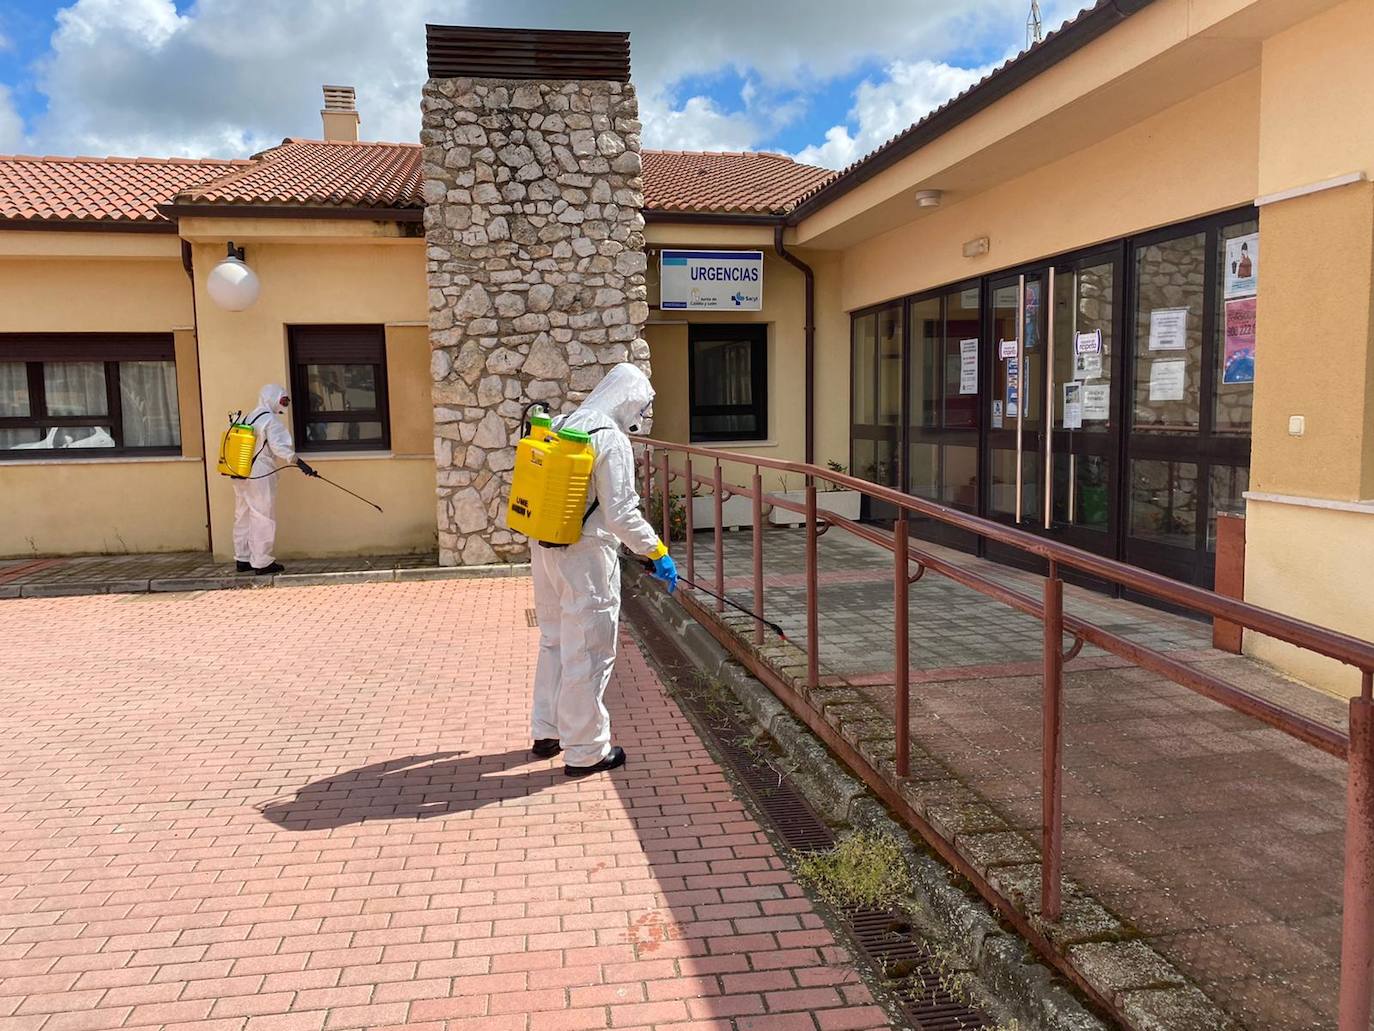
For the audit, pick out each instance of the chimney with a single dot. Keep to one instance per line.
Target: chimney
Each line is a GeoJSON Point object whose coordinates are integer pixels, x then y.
{"type": "Point", "coordinates": [340, 114]}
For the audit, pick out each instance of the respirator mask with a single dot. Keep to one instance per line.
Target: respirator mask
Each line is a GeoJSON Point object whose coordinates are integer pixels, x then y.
{"type": "Point", "coordinates": [640, 421]}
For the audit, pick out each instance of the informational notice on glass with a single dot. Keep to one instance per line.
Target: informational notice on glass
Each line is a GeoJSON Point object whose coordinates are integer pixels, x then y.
{"type": "Point", "coordinates": [1087, 366]}
{"type": "Point", "coordinates": [997, 415]}
{"type": "Point", "coordinates": [1097, 402]}
{"type": "Point", "coordinates": [968, 366]}
{"type": "Point", "coordinates": [1013, 386]}
{"type": "Point", "coordinates": [1169, 329]}
{"type": "Point", "coordinates": [1239, 361]}
{"type": "Point", "coordinates": [1168, 379]}
{"type": "Point", "coordinates": [1242, 266]}
{"type": "Point", "coordinates": [1088, 343]}
{"type": "Point", "coordinates": [1073, 406]}
{"type": "Point", "coordinates": [1006, 349]}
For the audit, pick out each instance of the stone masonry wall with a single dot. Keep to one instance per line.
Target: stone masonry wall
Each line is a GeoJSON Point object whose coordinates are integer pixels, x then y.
{"type": "Point", "coordinates": [535, 258]}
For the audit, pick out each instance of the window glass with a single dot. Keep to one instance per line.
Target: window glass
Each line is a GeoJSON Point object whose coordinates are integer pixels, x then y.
{"type": "Point", "coordinates": [925, 471]}
{"type": "Point", "coordinates": [1083, 305]}
{"type": "Point", "coordinates": [1170, 279]}
{"type": "Point", "coordinates": [355, 432]}
{"type": "Point", "coordinates": [148, 404]}
{"type": "Point", "coordinates": [1080, 491]}
{"type": "Point", "coordinates": [75, 388]}
{"type": "Point", "coordinates": [926, 363]}
{"type": "Point", "coordinates": [961, 323]}
{"type": "Point", "coordinates": [341, 388]}
{"type": "Point", "coordinates": [14, 390]}
{"type": "Point", "coordinates": [865, 369]}
{"type": "Point", "coordinates": [873, 461]}
{"type": "Point", "coordinates": [1226, 487]}
{"type": "Point", "coordinates": [960, 476]}
{"type": "Point", "coordinates": [1235, 344]}
{"type": "Point", "coordinates": [728, 382]}
{"type": "Point", "coordinates": [890, 366]}
{"type": "Point", "coordinates": [1002, 497]}
{"type": "Point", "coordinates": [58, 438]}
{"type": "Point", "coordinates": [1164, 499]}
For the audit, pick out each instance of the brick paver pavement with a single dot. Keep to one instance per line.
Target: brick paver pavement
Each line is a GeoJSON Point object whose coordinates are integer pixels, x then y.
{"type": "Point", "coordinates": [313, 808]}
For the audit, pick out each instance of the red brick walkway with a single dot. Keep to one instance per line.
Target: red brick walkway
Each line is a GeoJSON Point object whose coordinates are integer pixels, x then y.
{"type": "Point", "coordinates": [312, 808]}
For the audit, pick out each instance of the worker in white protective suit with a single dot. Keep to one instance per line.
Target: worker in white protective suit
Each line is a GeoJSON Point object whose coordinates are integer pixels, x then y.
{"type": "Point", "coordinates": [577, 586]}
{"type": "Point", "coordinates": [255, 499]}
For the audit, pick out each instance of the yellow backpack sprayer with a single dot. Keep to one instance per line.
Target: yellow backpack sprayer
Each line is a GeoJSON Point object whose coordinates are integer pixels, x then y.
{"type": "Point", "coordinates": [238, 449]}
{"type": "Point", "coordinates": [548, 496]}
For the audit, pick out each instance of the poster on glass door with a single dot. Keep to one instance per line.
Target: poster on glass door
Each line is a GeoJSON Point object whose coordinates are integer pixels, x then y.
{"type": "Point", "coordinates": [1013, 387]}
{"type": "Point", "coordinates": [1242, 266]}
{"type": "Point", "coordinates": [1073, 406]}
{"type": "Point", "coordinates": [968, 366]}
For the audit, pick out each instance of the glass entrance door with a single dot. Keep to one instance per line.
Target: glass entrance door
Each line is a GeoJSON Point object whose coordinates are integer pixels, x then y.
{"type": "Point", "coordinates": [1014, 407]}
{"type": "Point", "coordinates": [1084, 357]}
{"type": "Point", "coordinates": [878, 344]}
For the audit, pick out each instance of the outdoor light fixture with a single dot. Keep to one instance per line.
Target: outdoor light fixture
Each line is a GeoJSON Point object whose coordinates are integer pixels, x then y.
{"type": "Point", "coordinates": [928, 199]}
{"type": "Point", "coordinates": [232, 284]}
{"type": "Point", "coordinates": [977, 248]}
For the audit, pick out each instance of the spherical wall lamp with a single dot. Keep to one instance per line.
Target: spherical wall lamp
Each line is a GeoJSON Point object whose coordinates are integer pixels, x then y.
{"type": "Point", "coordinates": [232, 284]}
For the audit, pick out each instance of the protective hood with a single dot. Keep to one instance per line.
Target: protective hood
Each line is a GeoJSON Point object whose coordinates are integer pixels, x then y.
{"type": "Point", "coordinates": [270, 396]}
{"type": "Point", "coordinates": [622, 396]}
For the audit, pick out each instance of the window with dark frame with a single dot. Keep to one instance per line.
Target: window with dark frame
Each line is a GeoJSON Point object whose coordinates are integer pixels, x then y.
{"type": "Point", "coordinates": [339, 389]}
{"type": "Point", "coordinates": [728, 381]}
{"type": "Point", "coordinates": [75, 395]}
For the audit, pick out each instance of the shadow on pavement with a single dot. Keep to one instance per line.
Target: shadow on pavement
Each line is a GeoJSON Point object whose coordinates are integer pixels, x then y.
{"type": "Point", "coordinates": [415, 787]}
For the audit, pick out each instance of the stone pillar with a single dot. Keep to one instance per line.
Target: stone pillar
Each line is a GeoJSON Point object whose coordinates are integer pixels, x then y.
{"type": "Point", "coordinates": [535, 258]}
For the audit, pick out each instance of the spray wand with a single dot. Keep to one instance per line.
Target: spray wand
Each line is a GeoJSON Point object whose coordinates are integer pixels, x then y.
{"type": "Point", "coordinates": [722, 598]}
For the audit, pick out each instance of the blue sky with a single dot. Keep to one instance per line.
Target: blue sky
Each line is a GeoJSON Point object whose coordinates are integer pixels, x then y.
{"type": "Point", "coordinates": [821, 81]}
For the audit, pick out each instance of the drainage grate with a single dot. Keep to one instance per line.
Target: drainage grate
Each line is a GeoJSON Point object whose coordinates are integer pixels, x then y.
{"type": "Point", "coordinates": [799, 828]}
{"type": "Point", "coordinates": [885, 939]}
{"type": "Point", "coordinates": [531, 617]}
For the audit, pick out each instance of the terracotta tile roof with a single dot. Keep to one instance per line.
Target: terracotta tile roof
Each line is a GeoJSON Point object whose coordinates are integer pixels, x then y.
{"type": "Point", "coordinates": [119, 191]}
{"type": "Point", "coordinates": [754, 183]}
{"type": "Point", "coordinates": [318, 173]}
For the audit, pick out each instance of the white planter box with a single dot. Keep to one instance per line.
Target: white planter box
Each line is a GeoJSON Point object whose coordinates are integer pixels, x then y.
{"type": "Point", "coordinates": [846, 503]}
{"type": "Point", "coordinates": [735, 512]}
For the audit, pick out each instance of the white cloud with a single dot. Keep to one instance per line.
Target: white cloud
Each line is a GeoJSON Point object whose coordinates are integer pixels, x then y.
{"type": "Point", "coordinates": [883, 109]}
{"type": "Point", "coordinates": [231, 76]}
{"type": "Point", "coordinates": [11, 125]}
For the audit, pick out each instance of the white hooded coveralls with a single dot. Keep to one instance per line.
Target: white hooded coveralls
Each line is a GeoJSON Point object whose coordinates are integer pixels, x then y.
{"type": "Point", "coordinates": [255, 500]}
{"type": "Point", "coordinates": [577, 588]}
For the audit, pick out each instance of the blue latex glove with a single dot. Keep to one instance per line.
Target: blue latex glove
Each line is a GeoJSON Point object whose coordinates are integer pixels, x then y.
{"type": "Point", "coordinates": [666, 570]}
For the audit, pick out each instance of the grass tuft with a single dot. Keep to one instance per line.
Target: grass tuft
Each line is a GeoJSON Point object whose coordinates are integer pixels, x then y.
{"type": "Point", "coordinates": [864, 870]}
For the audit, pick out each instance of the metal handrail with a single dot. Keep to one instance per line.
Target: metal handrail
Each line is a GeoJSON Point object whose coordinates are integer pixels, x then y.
{"type": "Point", "coordinates": [1356, 747]}
{"type": "Point", "coordinates": [1332, 643]}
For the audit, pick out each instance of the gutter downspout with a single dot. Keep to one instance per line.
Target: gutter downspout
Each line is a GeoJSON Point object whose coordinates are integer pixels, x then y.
{"type": "Point", "coordinates": [806, 271]}
{"type": "Point", "coordinates": [186, 263]}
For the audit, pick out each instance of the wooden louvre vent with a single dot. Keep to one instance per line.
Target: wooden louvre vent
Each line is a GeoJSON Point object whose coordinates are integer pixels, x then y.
{"type": "Point", "coordinates": [460, 51]}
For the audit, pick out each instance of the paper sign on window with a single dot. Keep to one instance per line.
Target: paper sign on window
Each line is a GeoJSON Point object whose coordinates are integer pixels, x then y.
{"type": "Point", "coordinates": [968, 366]}
{"type": "Point", "coordinates": [1006, 349]}
{"type": "Point", "coordinates": [1169, 329]}
{"type": "Point", "coordinates": [1242, 266]}
{"type": "Point", "coordinates": [1097, 402]}
{"type": "Point", "coordinates": [1168, 379]}
{"type": "Point", "coordinates": [1073, 406]}
{"type": "Point", "coordinates": [1088, 343]}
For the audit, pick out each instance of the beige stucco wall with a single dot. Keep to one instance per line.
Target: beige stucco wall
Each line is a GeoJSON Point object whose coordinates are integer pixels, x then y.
{"type": "Point", "coordinates": [331, 279]}
{"type": "Point", "coordinates": [91, 283]}
{"type": "Point", "coordinates": [1315, 564]}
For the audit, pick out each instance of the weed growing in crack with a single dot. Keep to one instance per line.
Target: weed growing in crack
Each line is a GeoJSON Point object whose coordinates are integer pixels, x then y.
{"type": "Point", "coordinates": [865, 870]}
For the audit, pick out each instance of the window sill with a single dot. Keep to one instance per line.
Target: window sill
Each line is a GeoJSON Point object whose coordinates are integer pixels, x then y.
{"type": "Point", "coordinates": [109, 460]}
{"type": "Point", "coordinates": [724, 445]}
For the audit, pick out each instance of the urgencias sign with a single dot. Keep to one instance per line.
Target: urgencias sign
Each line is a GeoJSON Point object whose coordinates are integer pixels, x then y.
{"type": "Point", "coordinates": [710, 280]}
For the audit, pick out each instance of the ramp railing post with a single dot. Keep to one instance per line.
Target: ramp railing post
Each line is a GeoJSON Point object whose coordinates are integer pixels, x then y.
{"type": "Point", "coordinates": [1052, 750]}
{"type": "Point", "coordinates": [716, 485]}
{"type": "Point", "coordinates": [691, 545]}
{"type": "Point", "coordinates": [758, 555]}
{"type": "Point", "coordinates": [813, 644]}
{"type": "Point", "coordinates": [1357, 931]}
{"type": "Point", "coordinates": [901, 587]}
{"type": "Point", "coordinates": [667, 507]}
{"type": "Point", "coordinates": [648, 497]}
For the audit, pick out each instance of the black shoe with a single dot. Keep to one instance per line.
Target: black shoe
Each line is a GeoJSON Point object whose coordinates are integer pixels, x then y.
{"type": "Point", "coordinates": [546, 747]}
{"type": "Point", "coordinates": [275, 567]}
{"type": "Point", "coordinates": [613, 761]}
{"type": "Point", "coordinates": [243, 567]}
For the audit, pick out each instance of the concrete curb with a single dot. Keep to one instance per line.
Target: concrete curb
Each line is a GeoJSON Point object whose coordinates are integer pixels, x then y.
{"type": "Point", "coordinates": [243, 581]}
{"type": "Point", "coordinates": [997, 956]}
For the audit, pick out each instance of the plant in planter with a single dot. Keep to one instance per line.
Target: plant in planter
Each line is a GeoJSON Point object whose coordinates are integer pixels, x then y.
{"type": "Point", "coordinates": [838, 500]}
{"type": "Point", "coordinates": [677, 514]}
